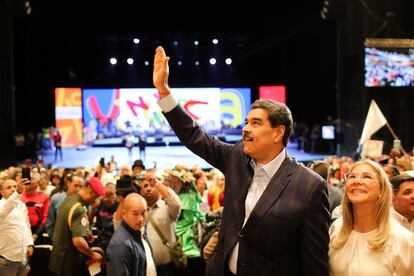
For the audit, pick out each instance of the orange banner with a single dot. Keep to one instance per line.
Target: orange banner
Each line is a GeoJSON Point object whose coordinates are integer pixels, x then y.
{"type": "Point", "coordinates": [68, 110]}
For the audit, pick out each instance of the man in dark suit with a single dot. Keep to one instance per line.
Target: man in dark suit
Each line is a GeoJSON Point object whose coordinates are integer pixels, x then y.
{"type": "Point", "coordinates": [275, 219]}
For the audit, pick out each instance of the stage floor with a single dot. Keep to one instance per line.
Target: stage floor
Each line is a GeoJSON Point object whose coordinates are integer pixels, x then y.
{"type": "Point", "coordinates": [161, 157]}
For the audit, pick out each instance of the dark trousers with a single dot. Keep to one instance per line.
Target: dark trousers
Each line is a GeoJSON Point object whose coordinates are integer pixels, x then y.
{"type": "Point", "coordinates": [165, 270]}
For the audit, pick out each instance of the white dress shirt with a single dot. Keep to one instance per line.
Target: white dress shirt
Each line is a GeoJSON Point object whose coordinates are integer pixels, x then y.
{"type": "Point", "coordinates": [403, 220]}
{"type": "Point", "coordinates": [165, 213]}
{"type": "Point", "coordinates": [167, 103]}
{"type": "Point", "coordinates": [151, 269]}
{"type": "Point", "coordinates": [15, 231]}
{"type": "Point", "coordinates": [261, 178]}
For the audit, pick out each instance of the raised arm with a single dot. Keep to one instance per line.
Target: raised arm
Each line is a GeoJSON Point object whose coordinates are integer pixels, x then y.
{"type": "Point", "coordinates": [161, 72]}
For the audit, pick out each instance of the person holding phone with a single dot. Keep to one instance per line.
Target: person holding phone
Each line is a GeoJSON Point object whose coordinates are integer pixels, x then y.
{"type": "Point", "coordinates": [14, 222]}
{"type": "Point", "coordinates": [37, 204]}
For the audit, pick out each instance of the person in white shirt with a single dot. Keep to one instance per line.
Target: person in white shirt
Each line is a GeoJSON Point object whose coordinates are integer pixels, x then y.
{"type": "Point", "coordinates": [403, 200]}
{"type": "Point", "coordinates": [44, 186]}
{"type": "Point", "coordinates": [366, 240]}
{"type": "Point", "coordinates": [16, 242]}
{"type": "Point", "coordinates": [164, 207]}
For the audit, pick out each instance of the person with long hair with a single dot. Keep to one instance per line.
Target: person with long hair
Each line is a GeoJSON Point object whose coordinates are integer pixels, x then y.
{"type": "Point", "coordinates": [366, 240]}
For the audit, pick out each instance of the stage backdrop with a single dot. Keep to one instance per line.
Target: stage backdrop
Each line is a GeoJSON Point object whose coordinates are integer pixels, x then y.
{"type": "Point", "coordinates": [113, 112]}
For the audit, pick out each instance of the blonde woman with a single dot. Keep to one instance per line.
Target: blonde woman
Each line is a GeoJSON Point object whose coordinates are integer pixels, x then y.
{"type": "Point", "coordinates": [365, 240]}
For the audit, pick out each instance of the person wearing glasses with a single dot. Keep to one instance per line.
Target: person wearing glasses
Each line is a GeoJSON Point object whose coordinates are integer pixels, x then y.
{"type": "Point", "coordinates": [366, 240]}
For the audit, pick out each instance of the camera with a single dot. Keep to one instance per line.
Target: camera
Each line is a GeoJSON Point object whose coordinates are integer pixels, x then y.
{"type": "Point", "coordinates": [128, 184]}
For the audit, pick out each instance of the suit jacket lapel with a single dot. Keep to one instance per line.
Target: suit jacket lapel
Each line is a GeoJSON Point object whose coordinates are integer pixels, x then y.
{"type": "Point", "coordinates": [272, 192]}
{"type": "Point", "coordinates": [241, 194]}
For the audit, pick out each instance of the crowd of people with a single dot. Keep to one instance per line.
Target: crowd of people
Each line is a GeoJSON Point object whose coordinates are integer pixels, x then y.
{"type": "Point", "coordinates": [258, 212]}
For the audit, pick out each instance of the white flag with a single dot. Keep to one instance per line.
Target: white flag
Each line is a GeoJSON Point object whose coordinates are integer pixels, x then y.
{"type": "Point", "coordinates": [375, 120]}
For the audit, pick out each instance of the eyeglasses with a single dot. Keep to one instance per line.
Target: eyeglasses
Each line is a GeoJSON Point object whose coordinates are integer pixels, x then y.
{"type": "Point", "coordinates": [365, 176]}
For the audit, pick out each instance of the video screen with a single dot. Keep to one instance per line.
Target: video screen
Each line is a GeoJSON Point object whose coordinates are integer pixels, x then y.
{"type": "Point", "coordinates": [68, 114]}
{"type": "Point", "coordinates": [111, 113]}
{"type": "Point", "coordinates": [389, 67]}
{"type": "Point", "coordinates": [328, 132]}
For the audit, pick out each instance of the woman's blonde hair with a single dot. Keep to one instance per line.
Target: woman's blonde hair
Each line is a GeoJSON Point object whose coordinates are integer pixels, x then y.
{"type": "Point", "coordinates": [382, 215]}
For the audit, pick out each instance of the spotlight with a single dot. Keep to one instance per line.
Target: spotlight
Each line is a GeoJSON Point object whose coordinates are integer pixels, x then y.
{"type": "Point", "coordinates": [113, 61]}
{"type": "Point", "coordinates": [136, 40]}
{"type": "Point", "coordinates": [179, 63]}
{"type": "Point", "coordinates": [175, 42]}
{"type": "Point", "coordinates": [213, 61]}
{"type": "Point", "coordinates": [228, 61]}
{"type": "Point", "coordinates": [130, 61]}
{"type": "Point", "coordinates": [146, 63]}
{"type": "Point", "coordinates": [197, 63]}
{"type": "Point", "coordinates": [196, 42]}
{"type": "Point", "coordinates": [215, 41]}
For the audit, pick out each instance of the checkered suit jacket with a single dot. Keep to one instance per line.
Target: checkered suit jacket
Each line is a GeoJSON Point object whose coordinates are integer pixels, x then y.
{"type": "Point", "coordinates": [287, 231]}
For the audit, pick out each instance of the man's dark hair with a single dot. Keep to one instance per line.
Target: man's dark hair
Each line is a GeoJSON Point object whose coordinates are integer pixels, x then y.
{"type": "Point", "coordinates": [393, 168]}
{"type": "Point", "coordinates": [279, 115]}
{"type": "Point", "coordinates": [321, 168]}
{"type": "Point", "coordinates": [396, 181]}
{"type": "Point", "coordinates": [138, 163]}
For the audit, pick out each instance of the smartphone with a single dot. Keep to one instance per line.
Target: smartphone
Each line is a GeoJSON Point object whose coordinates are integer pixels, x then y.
{"type": "Point", "coordinates": [102, 162]}
{"type": "Point", "coordinates": [26, 173]}
{"type": "Point", "coordinates": [397, 144]}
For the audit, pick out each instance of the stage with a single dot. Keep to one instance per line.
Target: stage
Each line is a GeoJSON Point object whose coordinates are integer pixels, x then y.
{"type": "Point", "coordinates": [160, 156]}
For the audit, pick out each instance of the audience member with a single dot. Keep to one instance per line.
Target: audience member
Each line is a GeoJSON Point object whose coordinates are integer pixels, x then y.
{"type": "Point", "coordinates": [74, 184]}
{"type": "Point", "coordinates": [70, 246]}
{"type": "Point", "coordinates": [365, 240]}
{"type": "Point", "coordinates": [37, 205]}
{"type": "Point", "coordinates": [16, 242]}
{"type": "Point", "coordinates": [164, 207]}
{"type": "Point", "coordinates": [126, 253]}
{"type": "Point", "coordinates": [103, 212]}
{"type": "Point", "coordinates": [403, 200]}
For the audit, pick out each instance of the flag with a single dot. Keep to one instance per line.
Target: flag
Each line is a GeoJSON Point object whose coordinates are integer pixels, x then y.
{"type": "Point", "coordinates": [374, 121]}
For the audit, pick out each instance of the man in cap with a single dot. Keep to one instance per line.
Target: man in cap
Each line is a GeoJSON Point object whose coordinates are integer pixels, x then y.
{"type": "Point", "coordinates": [70, 246]}
{"type": "Point", "coordinates": [137, 167]}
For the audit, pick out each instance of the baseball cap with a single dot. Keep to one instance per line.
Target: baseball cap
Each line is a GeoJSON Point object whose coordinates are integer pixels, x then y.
{"type": "Point", "coordinates": [96, 185]}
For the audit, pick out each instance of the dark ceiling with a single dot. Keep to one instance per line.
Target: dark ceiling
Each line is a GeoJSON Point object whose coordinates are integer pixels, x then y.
{"type": "Point", "coordinates": [278, 43]}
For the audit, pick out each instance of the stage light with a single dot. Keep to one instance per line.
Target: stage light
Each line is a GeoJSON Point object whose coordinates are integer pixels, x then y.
{"type": "Point", "coordinates": [196, 42]}
{"type": "Point", "coordinates": [130, 61]}
{"type": "Point", "coordinates": [215, 41]}
{"type": "Point", "coordinates": [196, 63]}
{"type": "Point", "coordinates": [179, 63]}
{"type": "Point", "coordinates": [113, 61]}
{"type": "Point", "coordinates": [27, 7]}
{"type": "Point", "coordinates": [136, 40]}
{"type": "Point", "coordinates": [175, 42]}
{"type": "Point", "coordinates": [228, 61]}
{"type": "Point", "coordinates": [146, 63]}
{"type": "Point", "coordinates": [213, 61]}
{"type": "Point", "coordinates": [333, 9]}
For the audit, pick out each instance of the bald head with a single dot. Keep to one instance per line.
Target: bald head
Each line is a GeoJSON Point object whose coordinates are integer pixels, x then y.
{"type": "Point", "coordinates": [134, 212]}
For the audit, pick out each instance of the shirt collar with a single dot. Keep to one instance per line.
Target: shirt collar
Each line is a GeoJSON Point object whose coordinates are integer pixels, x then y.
{"type": "Point", "coordinates": [398, 216]}
{"type": "Point", "coordinates": [135, 234]}
{"type": "Point", "coordinates": [158, 204]}
{"type": "Point", "coordinates": [271, 167]}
